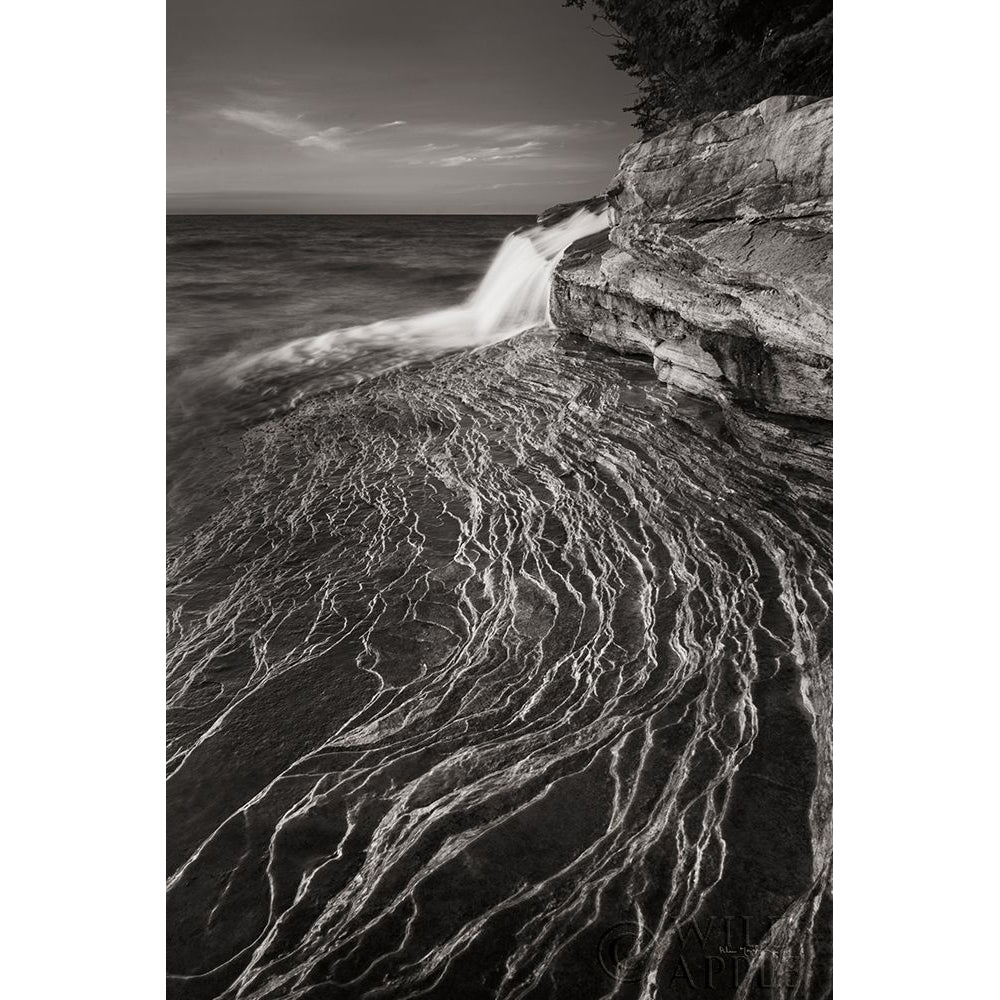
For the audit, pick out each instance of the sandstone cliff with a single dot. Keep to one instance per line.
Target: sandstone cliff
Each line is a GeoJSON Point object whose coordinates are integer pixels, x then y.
{"type": "Point", "coordinates": [718, 260]}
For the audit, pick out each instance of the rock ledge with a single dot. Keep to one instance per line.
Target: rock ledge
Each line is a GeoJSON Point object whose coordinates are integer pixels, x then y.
{"type": "Point", "coordinates": [718, 261]}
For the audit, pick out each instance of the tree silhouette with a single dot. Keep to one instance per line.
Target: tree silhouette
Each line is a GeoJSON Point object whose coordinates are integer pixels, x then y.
{"type": "Point", "coordinates": [693, 56]}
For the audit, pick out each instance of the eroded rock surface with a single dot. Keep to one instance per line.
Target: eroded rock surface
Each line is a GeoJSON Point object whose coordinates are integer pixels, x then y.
{"type": "Point", "coordinates": [718, 260]}
{"type": "Point", "coordinates": [484, 671]}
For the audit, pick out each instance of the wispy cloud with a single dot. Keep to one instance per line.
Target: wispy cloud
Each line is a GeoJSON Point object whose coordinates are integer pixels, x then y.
{"type": "Point", "coordinates": [298, 130]}
{"type": "Point", "coordinates": [510, 184]}
{"type": "Point", "coordinates": [518, 131]}
{"type": "Point", "coordinates": [375, 128]}
{"type": "Point", "coordinates": [508, 142]}
{"type": "Point", "coordinates": [443, 144]}
{"type": "Point", "coordinates": [331, 139]}
{"type": "Point", "coordinates": [271, 122]}
{"type": "Point", "coordinates": [491, 154]}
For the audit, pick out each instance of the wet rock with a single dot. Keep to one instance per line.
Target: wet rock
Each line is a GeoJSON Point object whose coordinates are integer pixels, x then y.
{"type": "Point", "coordinates": [558, 213]}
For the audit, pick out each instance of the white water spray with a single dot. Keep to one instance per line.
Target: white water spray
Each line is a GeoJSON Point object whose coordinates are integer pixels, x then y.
{"type": "Point", "coordinates": [513, 296]}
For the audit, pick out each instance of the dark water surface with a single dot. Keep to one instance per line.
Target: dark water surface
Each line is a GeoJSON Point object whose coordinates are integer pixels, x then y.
{"type": "Point", "coordinates": [504, 673]}
{"type": "Point", "coordinates": [238, 283]}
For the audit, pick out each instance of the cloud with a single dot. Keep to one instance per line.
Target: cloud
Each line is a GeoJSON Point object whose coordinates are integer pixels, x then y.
{"type": "Point", "coordinates": [330, 139]}
{"type": "Point", "coordinates": [271, 122]}
{"type": "Point", "coordinates": [522, 131]}
{"type": "Point", "coordinates": [535, 182]}
{"type": "Point", "coordinates": [517, 131]}
{"type": "Point", "coordinates": [448, 144]}
{"type": "Point", "coordinates": [297, 130]}
{"type": "Point", "coordinates": [508, 142]}
{"type": "Point", "coordinates": [492, 154]}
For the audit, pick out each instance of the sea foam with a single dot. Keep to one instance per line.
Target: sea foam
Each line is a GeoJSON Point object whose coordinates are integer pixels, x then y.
{"type": "Point", "coordinates": [513, 296]}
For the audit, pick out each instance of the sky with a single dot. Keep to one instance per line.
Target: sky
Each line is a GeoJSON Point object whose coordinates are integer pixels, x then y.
{"type": "Point", "coordinates": [409, 106]}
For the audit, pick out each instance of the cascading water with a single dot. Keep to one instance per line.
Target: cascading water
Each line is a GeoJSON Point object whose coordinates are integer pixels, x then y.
{"type": "Point", "coordinates": [512, 296]}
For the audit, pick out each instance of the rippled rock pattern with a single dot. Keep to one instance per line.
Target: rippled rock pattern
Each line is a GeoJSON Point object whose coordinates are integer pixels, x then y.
{"type": "Point", "coordinates": [506, 676]}
{"type": "Point", "coordinates": [718, 262]}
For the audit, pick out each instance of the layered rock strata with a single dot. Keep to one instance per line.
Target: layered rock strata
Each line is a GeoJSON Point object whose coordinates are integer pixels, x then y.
{"type": "Point", "coordinates": [718, 259]}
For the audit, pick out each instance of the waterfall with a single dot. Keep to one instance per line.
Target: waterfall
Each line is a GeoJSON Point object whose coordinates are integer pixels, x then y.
{"type": "Point", "coordinates": [514, 293]}
{"type": "Point", "coordinates": [512, 296]}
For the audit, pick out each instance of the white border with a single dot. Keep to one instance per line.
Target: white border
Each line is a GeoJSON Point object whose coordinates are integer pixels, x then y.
{"type": "Point", "coordinates": [83, 235]}
{"type": "Point", "coordinates": [915, 693]}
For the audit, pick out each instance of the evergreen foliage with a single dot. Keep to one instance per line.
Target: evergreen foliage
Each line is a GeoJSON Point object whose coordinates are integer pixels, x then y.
{"type": "Point", "coordinates": [693, 56]}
